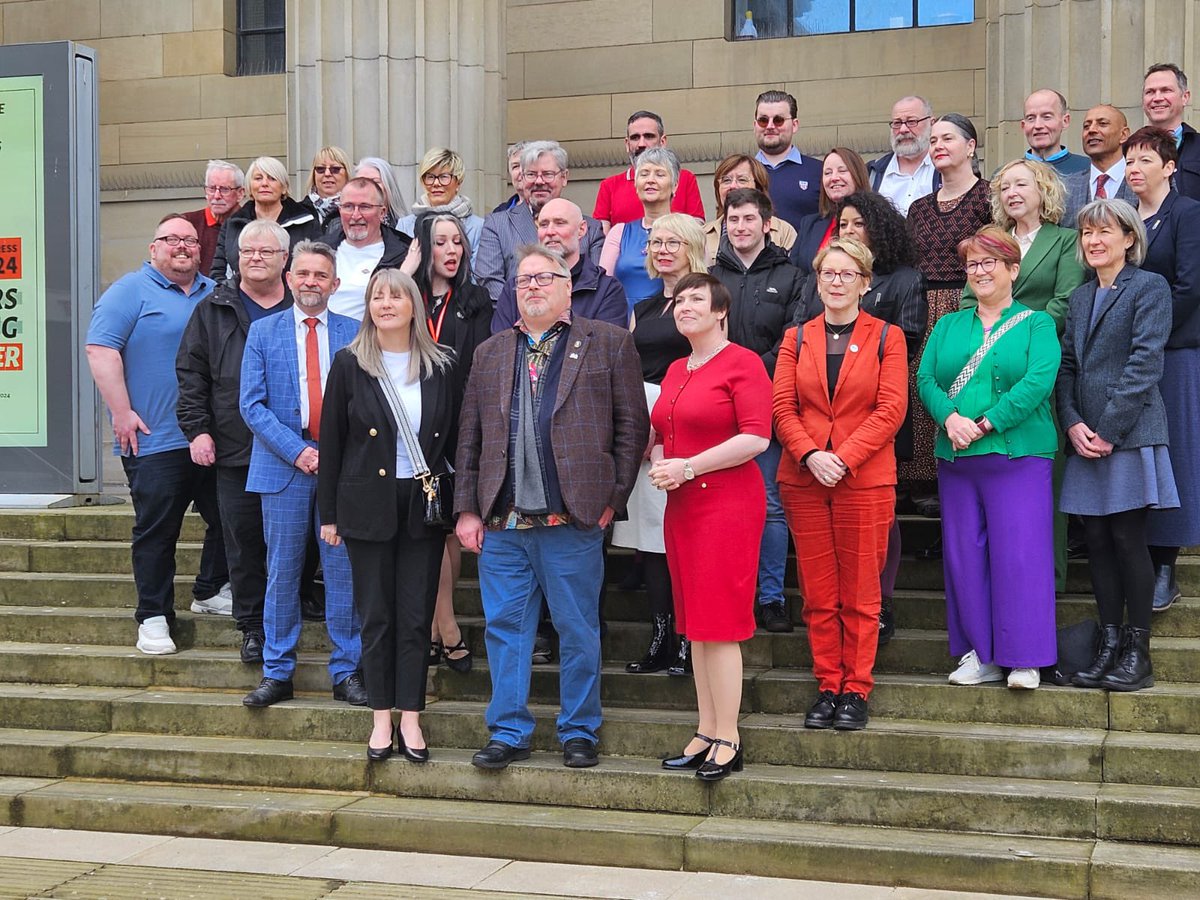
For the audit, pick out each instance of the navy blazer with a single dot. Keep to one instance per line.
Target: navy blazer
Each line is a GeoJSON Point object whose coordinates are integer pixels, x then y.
{"type": "Point", "coordinates": [1109, 373]}
{"type": "Point", "coordinates": [809, 234]}
{"type": "Point", "coordinates": [1173, 251]}
{"type": "Point", "coordinates": [1187, 171]}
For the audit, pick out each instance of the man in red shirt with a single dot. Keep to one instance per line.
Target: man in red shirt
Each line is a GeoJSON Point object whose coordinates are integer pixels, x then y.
{"type": "Point", "coordinates": [617, 200]}
{"type": "Point", "coordinates": [224, 191]}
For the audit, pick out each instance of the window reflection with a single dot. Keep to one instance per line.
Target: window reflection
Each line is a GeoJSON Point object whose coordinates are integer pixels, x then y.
{"type": "Point", "coordinates": [759, 19]}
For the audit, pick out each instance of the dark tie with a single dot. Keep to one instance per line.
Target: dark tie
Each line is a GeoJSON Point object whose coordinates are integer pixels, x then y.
{"type": "Point", "coordinates": [1101, 193]}
{"type": "Point", "coordinates": [312, 378]}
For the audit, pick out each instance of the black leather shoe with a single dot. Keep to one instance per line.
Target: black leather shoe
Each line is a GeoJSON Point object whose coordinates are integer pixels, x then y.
{"type": "Point", "coordinates": [1105, 659]}
{"type": "Point", "coordinates": [1133, 670]}
{"type": "Point", "coordinates": [252, 647]}
{"type": "Point", "coordinates": [851, 713]}
{"type": "Point", "coordinates": [497, 755]}
{"type": "Point", "coordinates": [1166, 591]}
{"type": "Point", "coordinates": [312, 608]}
{"type": "Point", "coordinates": [543, 649]}
{"type": "Point", "coordinates": [379, 754]}
{"type": "Point", "coordinates": [714, 771]}
{"type": "Point", "coordinates": [887, 620]}
{"type": "Point", "coordinates": [412, 754]}
{"type": "Point", "coordinates": [660, 652]}
{"type": "Point", "coordinates": [269, 690]}
{"type": "Point", "coordinates": [579, 753]}
{"type": "Point", "coordinates": [351, 690]}
{"type": "Point", "coordinates": [929, 507]}
{"type": "Point", "coordinates": [687, 761]}
{"type": "Point", "coordinates": [775, 618]}
{"type": "Point", "coordinates": [820, 714]}
{"type": "Point", "coordinates": [683, 659]}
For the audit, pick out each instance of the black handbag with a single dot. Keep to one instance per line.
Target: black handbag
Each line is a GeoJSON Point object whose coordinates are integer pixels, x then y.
{"type": "Point", "coordinates": [1078, 645]}
{"type": "Point", "coordinates": [437, 490]}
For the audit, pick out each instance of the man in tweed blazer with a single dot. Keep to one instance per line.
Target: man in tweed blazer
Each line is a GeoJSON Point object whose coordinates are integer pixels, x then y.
{"type": "Point", "coordinates": [278, 408]}
{"type": "Point", "coordinates": [553, 429]}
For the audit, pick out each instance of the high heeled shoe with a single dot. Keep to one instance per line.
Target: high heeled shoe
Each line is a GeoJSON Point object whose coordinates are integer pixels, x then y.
{"type": "Point", "coordinates": [411, 753]}
{"type": "Point", "coordinates": [714, 771]}
{"type": "Point", "coordinates": [381, 753]}
{"type": "Point", "coordinates": [687, 761]}
{"type": "Point", "coordinates": [460, 664]}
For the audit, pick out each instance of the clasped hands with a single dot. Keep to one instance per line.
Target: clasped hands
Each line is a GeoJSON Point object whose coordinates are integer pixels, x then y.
{"type": "Point", "coordinates": [667, 474]}
{"type": "Point", "coordinates": [1087, 443]}
{"type": "Point", "coordinates": [827, 467]}
{"type": "Point", "coordinates": [961, 431]}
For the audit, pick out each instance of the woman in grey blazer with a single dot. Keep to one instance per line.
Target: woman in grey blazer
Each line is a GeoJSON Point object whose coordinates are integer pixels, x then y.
{"type": "Point", "coordinates": [1109, 404]}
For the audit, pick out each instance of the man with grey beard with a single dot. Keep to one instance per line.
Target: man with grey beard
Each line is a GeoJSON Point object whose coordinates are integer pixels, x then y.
{"type": "Point", "coordinates": [907, 172]}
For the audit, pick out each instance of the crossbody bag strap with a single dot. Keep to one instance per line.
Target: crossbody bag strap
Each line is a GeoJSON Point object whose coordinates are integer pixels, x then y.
{"type": "Point", "coordinates": [972, 366]}
{"type": "Point", "coordinates": [411, 444]}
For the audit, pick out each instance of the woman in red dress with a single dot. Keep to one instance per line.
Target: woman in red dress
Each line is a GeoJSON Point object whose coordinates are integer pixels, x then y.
{"type": "Point", "coordinates": [711, 419]}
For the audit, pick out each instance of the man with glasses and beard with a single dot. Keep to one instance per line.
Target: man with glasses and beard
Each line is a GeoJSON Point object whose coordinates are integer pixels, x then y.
{"type": "Point", "coordinates": [795, 179]}
{"type": "Point", "coordinates": [362, 245]}
{"type": "Point", "coordinates": [907, 172]}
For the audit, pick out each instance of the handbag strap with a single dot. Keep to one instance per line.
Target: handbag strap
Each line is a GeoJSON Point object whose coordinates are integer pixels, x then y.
{"type": "Point", "coordinates": [411, 445]}
{"type": "Point", "coordinates": [972, 366]}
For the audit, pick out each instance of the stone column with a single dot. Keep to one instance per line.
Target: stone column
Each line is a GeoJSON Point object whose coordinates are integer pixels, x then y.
{"type": "Point", "coordinates": [1091, 51]}
{"type": "Point", "coordinates": [392, 78]}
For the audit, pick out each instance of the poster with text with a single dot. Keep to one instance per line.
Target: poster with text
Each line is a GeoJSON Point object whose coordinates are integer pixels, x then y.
{"type": "Point", "coordinates": [22, 266]}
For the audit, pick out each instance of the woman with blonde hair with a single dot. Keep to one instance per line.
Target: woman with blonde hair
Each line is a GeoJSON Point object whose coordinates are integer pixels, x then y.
{"type": "Point", "coordinates": [329, 173]}
{"type": "Point", "coordinates": [441, 175]}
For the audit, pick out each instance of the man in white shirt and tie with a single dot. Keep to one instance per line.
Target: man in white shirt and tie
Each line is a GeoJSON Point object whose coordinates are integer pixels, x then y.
{"type": "Point", "coordinates": [1104, 131]}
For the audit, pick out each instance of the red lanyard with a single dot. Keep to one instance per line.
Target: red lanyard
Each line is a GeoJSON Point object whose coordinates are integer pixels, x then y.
{"type": "Point", "coordinates": [436, 330]}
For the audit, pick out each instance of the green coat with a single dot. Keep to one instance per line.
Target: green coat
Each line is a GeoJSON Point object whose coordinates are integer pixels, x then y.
{"type": "Point", "coordinates": [1049, 272]}
{"type": "Point", "coordinates": [1013, 386]}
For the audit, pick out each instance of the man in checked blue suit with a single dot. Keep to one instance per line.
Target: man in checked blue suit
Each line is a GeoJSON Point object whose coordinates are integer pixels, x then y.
{"type": "Point", "coordinates": [283, 379]}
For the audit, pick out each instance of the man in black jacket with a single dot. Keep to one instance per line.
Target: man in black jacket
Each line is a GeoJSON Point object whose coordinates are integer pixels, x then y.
{"type": "Point", "coordinates": [766, 290]}
{"type": "Point", "coordinates": [1164, 95]}
{"type": "Point", "coordinates": [209, 365]}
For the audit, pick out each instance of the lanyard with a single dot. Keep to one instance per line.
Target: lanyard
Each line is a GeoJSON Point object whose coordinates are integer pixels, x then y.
{"type": "Point", "coordinates": [435, 331]}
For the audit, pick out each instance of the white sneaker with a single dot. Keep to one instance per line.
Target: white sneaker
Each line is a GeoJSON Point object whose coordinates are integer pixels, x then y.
{"type": "Point", "coordinates": [971, 671]}
{"type": "Point", "coordinates": [1024, 679]}
{"type": "Point", "coordinates": [154, 637]}
{"type": "Point", "coordinates": [219, 604]}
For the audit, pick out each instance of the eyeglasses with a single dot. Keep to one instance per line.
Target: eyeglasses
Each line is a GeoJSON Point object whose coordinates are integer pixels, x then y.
{"type": "Point", "coordinates": [910, 124]}
{"type": "Point", "coordinates": [443, 179]}
{"type": "Point", "coordinates": [829, 276]}
{"type": "Point", "coordinates": [777, 121]}
{"type": "Point", "coordinates": [541, 279]}
{"type": "Point", "coordinates": [265, 252]}
{"type": "Point", "coordinates": [542, 176]}
{"type": "Point", "coordinates": [741, 180]}
{"type": "Point", "coordinates": [332, 170]}
{"type": "Point", "coordinates": [218, 189]}
{"type": "Point", "coordinates": [671, 245]}
{"type": "Point", "coordinates": [174, 240]}
{"type": "Point", "coordinates": [985, 265]}
{"type": "Point", "coordinates": [363, 208]}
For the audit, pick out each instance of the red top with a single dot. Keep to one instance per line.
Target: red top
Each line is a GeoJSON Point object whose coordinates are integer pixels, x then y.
{"type": "Point", "coordinates": [618, 201]}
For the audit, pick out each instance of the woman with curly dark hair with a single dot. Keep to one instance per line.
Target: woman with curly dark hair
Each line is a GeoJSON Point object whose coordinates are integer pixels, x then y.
{"type": "Point", "coordinates": [897, 295]}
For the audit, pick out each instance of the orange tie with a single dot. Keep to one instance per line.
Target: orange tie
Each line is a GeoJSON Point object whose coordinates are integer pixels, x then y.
{"type": "Point", "coordinates": [312, 378]}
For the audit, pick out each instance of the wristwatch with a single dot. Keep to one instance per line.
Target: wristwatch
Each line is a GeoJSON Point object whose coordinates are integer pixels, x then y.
{"type": "Point", "coordinates": [688, 472]}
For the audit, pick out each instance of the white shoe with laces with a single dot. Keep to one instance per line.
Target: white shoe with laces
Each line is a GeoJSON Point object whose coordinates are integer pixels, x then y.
{"type": "Point", "coordinates": [971, 671]}
{"type": "Point", "coordinates": [154, 637]}
{"type": "Point", "coordinates": [1024, 679]}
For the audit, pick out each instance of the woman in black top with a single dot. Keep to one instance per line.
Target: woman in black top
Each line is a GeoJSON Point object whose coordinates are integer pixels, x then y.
{"type": "Point", "coordinates": [675, 248]}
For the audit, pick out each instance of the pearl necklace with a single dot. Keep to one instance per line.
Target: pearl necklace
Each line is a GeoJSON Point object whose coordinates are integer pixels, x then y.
{"type": "Point", "coordinates": [693, 364]}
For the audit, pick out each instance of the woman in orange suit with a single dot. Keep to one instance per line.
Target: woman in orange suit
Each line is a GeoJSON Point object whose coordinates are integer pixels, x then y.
{"type": "Point", "coordinates": [841, 389]}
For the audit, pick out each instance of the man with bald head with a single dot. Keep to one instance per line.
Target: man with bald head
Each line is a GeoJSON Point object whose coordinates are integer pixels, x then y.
{"type": "Point", "coordinates": [1045, 119]}
{"type": "Point", "coordinates": [1104, 131]}
{"type": "Point", "coordinates": [563, 228]}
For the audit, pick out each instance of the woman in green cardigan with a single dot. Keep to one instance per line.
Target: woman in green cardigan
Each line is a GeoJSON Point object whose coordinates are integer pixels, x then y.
{"type": "Point", "coordinates": [1028, 203]}
{"type": "Point", "coordinates": [986, 377]}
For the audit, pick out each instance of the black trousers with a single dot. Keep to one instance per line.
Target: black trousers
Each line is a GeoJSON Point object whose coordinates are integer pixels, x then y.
{"type": "Point", "coordinates": [1122, 574]}
{"type": "Point", "coordinates": [395, 591]}
{"type": "Point", "coordinates": [245, 546]}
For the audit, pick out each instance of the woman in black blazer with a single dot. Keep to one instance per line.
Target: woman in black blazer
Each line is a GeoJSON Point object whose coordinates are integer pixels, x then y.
{"type": "Point", "coordinates": [459, 316]}
{"type": "Point", "coordinates": [368, 495]}
{"type": "Point", "coordinates": [842, 173]}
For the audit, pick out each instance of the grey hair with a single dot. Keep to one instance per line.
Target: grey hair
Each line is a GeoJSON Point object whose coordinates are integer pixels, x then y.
{"type": "Point", "coordinates": [516, 149]}
{"type": "Point", "coordinates": [925, 104]}
{"type": "Point", "coordinates": [394, 197]}
{"type": "Point", "coordinates": [272, 168]}
{"type": "Point", "coordinates": [220, 165]}
{"type": "Point", "coordinates": [659, 156]}
{"type": "Point", "coordinates": [1112, 212]}
{"type": "Point", "coordinates": [425, 356]}
{"type": "Point", "coordinates": [534, 149]}
{"type": "Point", "coordinates": [313, 248]}
{"type": "Point", "coordinates": [262, 228]}
{"type": "Point", "coordinates": [551, 256]}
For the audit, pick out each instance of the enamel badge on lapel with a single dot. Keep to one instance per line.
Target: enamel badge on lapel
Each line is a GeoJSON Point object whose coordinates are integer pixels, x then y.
{"type": "Point", "coordinates": [854, 348]}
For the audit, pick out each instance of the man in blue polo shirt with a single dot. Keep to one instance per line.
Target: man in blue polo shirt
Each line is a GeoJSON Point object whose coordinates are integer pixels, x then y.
{"type": "Point", "coordinates": [131, 344]}
{"type": "Point", "coordinates": [795, 179]}
{"type": "Point", "coordinates": [1044, 121]}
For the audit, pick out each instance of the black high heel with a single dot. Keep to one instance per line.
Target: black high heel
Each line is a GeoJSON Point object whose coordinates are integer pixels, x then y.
{"type": "Point", "coordinates": [382, 753]}
{"type": "Point", "coordinates": [462, 664]}
{"type": "Point", "coordinates": [411, 753]}
{"type": "Point", "coordinates": [435, 653]}
{"type": "Point", "coordinates": [714, 771]}
{"type": "Point", "coordinates": [686, 761]}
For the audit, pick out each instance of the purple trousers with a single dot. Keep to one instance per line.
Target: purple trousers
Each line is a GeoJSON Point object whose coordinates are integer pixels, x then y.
{"type": "Point", "coordinates": [998, 552]}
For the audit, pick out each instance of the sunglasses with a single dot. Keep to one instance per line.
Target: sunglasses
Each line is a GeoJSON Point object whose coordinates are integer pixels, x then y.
{"type": "Point", "coordinates": [332, 170]}
{"type": "Point", "coordinates": [777, 121]}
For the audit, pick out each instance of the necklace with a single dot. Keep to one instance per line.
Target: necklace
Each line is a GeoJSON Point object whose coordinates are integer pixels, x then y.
{"type": "Point", "coordinates": [693, 364]}
{"type": "Point", "coordinates": [832, 329]}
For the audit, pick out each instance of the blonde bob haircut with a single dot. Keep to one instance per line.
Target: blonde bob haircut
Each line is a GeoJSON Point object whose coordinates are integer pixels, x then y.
{"type": "Point", "coordinates": [272, 168]}
{"type": "Point", "coordinates": [688, 230]}
{"type": "Point", "coordinates": [327, 155]}
{"type": "Point", "coordinates": [863, 258]}
{"type": "Point", "coordinates": [439, 157]}
{"type": "Point", "coordinates": [1049, 187]}
{"type": "Point", "coordinates": [425, 356]}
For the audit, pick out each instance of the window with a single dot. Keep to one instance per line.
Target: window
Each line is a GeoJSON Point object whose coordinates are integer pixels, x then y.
{"type": "Point", "coordinates": [752, 19]}
{"type": "Point", "coordinates": [260, 42]}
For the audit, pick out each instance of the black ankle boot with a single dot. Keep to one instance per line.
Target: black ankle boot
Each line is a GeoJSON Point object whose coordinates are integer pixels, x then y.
{"type": "Point", "coordinates": [1106, 658]}
{"type": "Point", "coordinates": [887, 620]}
{"type": "Point", "coordinates": [659, 654]}
{"type": "Point", "coordinates": [683, 659]}
{"type": "Point", "coordinates": [1166, 590]}
{"type": "Point", "coordinates": [1133, 670]}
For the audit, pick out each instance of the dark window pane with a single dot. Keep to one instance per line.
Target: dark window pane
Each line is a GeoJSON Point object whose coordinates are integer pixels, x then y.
{"type": "Point", "coordinates": [879, 14]}
{"type": "Point", "coordinates": [275, 13]}
{"type": "Point", "coordinates": [251, 14]}
{"type": "Point", "coordinates": [945, 12]}
{"type": "Point", "coordinates": [821, 16]}
{"type": "Point", "coordinates": [261, 44]}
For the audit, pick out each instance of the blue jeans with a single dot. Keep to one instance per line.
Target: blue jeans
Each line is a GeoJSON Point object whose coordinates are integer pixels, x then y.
{"type": "Point", "coordinates": [516, 568]}
{"type": "Point", "coordinates": [772, 552]}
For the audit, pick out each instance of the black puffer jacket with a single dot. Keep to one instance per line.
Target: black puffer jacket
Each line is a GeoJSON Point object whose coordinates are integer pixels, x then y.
{"type": "Point", "coordinates": [209, 369]}
{"type": "Point", "coordinates": [765, 297]}
{"type": "Point", "coordinates": [297, 220]}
